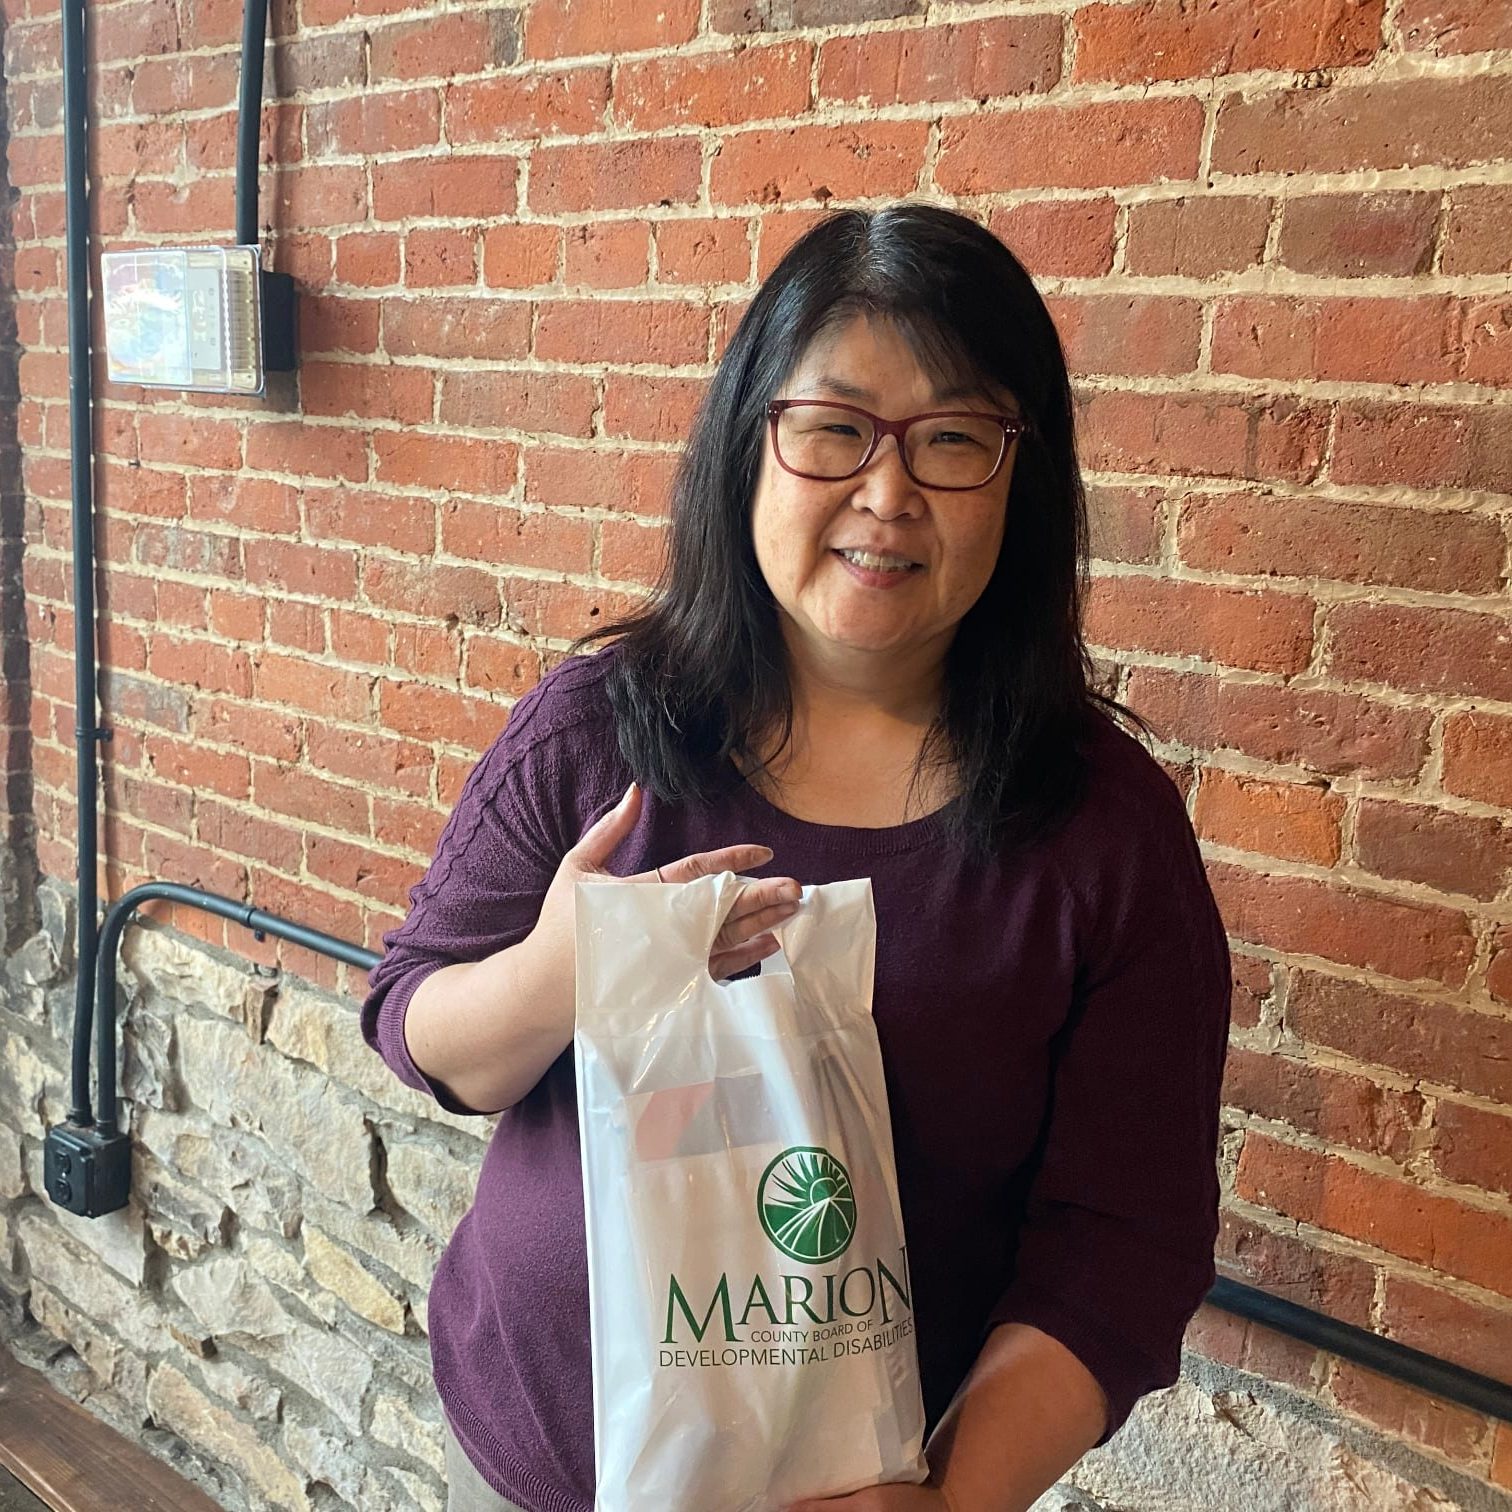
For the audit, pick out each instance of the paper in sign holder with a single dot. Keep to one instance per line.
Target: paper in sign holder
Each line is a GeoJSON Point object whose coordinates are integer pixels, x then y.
{"type": "Point", "coordinates": [749, 1296]}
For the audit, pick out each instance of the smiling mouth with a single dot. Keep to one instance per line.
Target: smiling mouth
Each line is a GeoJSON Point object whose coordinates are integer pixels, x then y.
{"type": "Point", "coordinates": [872, 563]}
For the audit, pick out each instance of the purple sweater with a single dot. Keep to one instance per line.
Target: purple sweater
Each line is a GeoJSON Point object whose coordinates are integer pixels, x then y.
{"type": "Point", "coordinates": [1052, 1030]}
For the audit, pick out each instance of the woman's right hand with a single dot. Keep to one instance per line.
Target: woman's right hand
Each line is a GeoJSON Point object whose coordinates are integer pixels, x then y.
{"type": "Point", "coordinates": [744, 938]}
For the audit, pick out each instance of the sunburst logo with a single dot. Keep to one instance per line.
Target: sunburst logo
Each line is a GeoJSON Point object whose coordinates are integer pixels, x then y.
{"type": "Point", "coordinates": [806, 1205]}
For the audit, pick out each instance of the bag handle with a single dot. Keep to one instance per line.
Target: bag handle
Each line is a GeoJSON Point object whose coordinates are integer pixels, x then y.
{"type": "Point", "coordinates": [828, 946]}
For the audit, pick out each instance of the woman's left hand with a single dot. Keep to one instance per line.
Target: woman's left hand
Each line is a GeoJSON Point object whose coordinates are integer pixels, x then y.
{"type": "Point", "coordinates": [889, 1498]}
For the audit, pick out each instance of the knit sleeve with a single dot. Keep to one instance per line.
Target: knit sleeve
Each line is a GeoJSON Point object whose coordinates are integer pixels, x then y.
{"type": "Point", "coordinates": [494, 859]}
{"type": "Point", "coordinates": [1116, 1248]}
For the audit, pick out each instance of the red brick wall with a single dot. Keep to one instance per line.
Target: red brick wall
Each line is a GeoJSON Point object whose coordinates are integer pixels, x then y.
{"type": "Point", "coordinates": [1277, 242]}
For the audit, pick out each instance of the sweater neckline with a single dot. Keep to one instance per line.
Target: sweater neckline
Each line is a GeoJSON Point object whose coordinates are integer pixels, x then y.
{"type": "Point", "coordinates": [846, 839]}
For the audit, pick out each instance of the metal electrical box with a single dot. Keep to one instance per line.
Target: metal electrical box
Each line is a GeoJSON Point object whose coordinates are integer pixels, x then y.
{"type": "Point", "coordinates": [208, 318]}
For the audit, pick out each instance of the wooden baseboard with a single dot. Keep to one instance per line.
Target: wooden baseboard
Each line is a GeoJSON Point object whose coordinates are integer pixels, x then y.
{"type": "Point", "coordinates": [74, 1462]}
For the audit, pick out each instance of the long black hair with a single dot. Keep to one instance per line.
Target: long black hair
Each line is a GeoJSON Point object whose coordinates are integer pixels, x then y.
{"type": "Point", "coordinates": [700, 669]}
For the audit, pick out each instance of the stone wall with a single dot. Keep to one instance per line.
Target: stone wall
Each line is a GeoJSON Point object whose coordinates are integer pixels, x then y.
{"type": "Point", "coordinates": [256, 1315]}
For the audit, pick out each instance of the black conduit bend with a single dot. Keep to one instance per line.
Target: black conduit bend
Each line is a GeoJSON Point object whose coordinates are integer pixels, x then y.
{"type": "Point", "coordinates": [98, 948]}
{"type": "Point", "coordinates": [260, 923]}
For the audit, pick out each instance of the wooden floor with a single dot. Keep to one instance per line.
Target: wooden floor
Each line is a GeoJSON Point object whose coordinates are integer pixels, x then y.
{"type": "Point", "coordinates": [67, 1460]}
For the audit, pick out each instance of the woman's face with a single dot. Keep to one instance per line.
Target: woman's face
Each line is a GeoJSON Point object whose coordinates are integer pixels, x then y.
{"type": "Point", "coordinates": [799, 525]}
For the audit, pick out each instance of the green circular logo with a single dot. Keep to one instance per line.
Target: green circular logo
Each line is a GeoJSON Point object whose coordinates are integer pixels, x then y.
{"type": "Point", "coordinates": [806, 1204]}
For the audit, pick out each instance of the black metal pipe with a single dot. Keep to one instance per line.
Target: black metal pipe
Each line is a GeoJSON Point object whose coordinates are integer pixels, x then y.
{"type": "Point", "coordinates": [261, 924]}
{"type": "Point", "coordinates": [249, 118]}
{"type": "Point", "coordinates": [1427, 1372]}
{"type": "Point", "coordinates": [81, 464]}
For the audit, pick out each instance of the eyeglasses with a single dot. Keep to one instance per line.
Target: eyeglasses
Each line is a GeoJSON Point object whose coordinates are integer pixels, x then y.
{"type": "Point", "coordinates": [815, 438]}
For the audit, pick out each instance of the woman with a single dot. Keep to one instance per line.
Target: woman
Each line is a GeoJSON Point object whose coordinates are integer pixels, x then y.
{"type": "Point", "coordinates": [864, 659]}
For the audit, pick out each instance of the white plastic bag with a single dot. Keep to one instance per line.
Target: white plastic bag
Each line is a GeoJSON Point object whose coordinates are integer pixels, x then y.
{"type": "Point", "coordinates": [750, 1303]}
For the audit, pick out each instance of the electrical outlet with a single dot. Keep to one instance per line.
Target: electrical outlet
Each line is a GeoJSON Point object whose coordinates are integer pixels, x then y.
{"type": "Point", "coordinates": [86, 1172]}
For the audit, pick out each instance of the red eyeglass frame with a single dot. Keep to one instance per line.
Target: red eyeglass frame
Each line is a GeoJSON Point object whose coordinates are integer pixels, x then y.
{"type": "Point", "coordinates": [1013, 425]}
